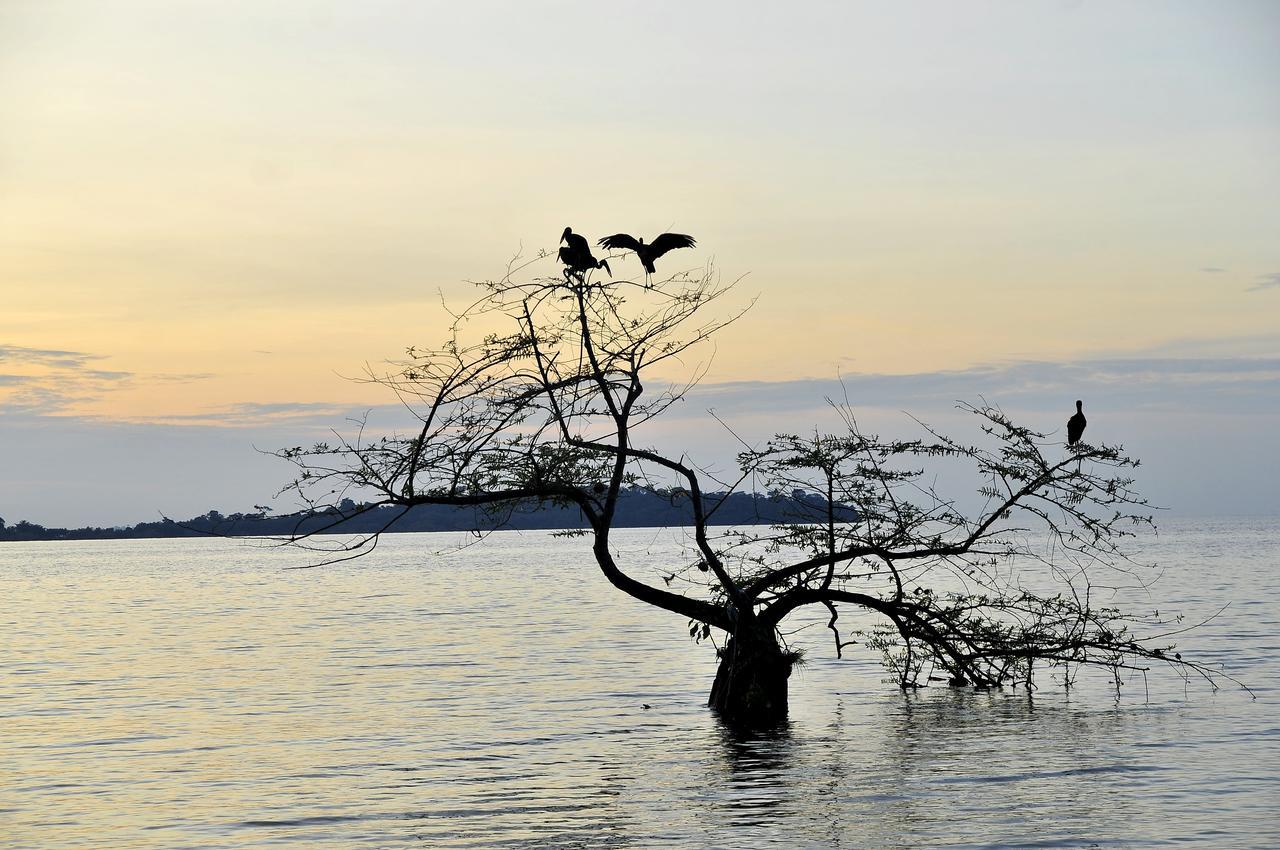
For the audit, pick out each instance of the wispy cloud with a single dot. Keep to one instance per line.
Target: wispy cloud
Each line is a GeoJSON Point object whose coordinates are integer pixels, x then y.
{"type": "Point", "coordinates": [1189, 384]}
{"type": "Point", "coordinates": [47, 357]}
{"type": "Point", "coordinates": [304, 415]}
{"type": "Point", "coordinates": [44, 381]}
{"type": "Point", "coordinates": [182, 377]}
{"type": "Point", "coordinates": [1181, 403]}
{"type": "Point", "coordinates": [1183, 377]}
{"type": "Point", "coordinates": [1270, 280]}
{"type": "Point", "coordinates": [55, 382]}
{"type": "Point", "coordinates": [1212, 270]}
{"type": "Point", "coordinates": [1244, 347]}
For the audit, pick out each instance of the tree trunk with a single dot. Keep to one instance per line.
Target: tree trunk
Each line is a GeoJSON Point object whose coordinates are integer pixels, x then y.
{"type": "Point", "coordinates": [751, 683]}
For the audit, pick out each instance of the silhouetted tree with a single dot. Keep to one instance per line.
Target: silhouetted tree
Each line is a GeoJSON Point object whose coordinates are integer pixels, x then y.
{"type": "Point", "coordinates": [548, 409]}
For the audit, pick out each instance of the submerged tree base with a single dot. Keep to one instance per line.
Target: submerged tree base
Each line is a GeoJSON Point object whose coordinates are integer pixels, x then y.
{"type": "Point", "coordinates": [750, 689]}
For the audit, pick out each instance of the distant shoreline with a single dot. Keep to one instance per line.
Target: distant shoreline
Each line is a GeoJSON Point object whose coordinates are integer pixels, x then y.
{"type": "Point", "coordinates": [637, 508]}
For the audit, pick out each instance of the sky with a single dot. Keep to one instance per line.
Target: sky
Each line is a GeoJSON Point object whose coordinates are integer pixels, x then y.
{"type": "Point", "coordinates": [214, 214]}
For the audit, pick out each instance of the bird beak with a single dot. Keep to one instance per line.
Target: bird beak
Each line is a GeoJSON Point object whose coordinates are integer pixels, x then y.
{"type": "Point", "coordinates": [606, 267]}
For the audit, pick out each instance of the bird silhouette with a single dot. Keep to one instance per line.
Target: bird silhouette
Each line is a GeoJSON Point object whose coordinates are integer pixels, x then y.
{"type": "Point", "coordinates": [647, 253]}
{"type": "Point", "coordinates": [1075, 425]}
{"type": "Point", "coordinates": [576, 255]}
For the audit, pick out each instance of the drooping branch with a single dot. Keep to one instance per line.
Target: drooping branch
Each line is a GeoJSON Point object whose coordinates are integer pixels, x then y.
{"type": "Point", "coordinates": [949, 585]}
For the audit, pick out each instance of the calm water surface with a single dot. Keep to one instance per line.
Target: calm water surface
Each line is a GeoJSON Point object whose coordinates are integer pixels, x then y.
{"type": "Point", "coordinates": [195, 694]}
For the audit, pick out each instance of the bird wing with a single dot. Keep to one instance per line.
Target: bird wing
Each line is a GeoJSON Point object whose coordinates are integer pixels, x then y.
{"type": "Point", "coordinates": [669, 241]}
{"type": "Point", "coordinates": [620, 242]}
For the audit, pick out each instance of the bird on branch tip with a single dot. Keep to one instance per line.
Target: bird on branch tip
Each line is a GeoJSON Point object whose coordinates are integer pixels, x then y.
{"type": "Point", "coordinates": [1075, 425]}
{"type": "Point", "coordinates": [576, 255]}
{"type": "Point", "coordinates": [647, 253]}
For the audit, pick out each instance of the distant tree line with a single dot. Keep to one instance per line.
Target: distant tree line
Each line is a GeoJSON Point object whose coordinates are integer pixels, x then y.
{"type": "Point", "coordinates": [639, 507]}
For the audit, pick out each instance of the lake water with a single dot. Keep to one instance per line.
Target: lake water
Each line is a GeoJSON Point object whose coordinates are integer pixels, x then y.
{"type": "Point", "coordinates": [195, 694]}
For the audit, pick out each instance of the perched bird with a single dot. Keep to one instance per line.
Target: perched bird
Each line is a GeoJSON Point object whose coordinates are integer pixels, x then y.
{"type": "Point", "coordinates": [1075, 425]}
{"type": "Point", "coordinates": [575, 243]}
{"type": "Point", "coordinates": [576, 255]}
{"type": "Point", "coordinates": [647, 253]}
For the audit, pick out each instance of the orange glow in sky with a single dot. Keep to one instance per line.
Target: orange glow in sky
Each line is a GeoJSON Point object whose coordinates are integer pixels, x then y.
{"type": "Point", "coordinates": [212, 205]}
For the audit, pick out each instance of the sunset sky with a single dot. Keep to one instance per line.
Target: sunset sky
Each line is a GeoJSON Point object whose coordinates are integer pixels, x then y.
{"type": "Point", "coordinates": [212, 213]}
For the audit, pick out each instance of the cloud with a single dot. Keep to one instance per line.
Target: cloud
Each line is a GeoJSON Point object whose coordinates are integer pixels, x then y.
{"type": "Point", "coordinates": [47, 357]}
{"type": "Point", "coordinates": [1212, 270]}
{"type": "Point", "coordinates": [46, 381]}
{"type": "Point", "coordinates": [305, 415]}
{"type": "Point", "coordinates": [1246, 346]}
{"type": "Point", "coordinates": [182, 377]}
{"type": "Point", "coordinates": [1266, 281]}
{"type": "Point", "coordinates": [1188, 377]}
{"type": "Point", "coordinates": [1197, 422]}
{"type": "Point", "coordinates": [1242, 385]}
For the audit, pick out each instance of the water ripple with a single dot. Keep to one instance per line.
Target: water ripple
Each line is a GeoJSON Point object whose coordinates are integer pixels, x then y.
{"type": "Point", "coordinates": [193, 694]}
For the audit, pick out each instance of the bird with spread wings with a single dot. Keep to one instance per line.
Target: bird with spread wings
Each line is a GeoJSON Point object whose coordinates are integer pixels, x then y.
{"type": "Point", "coordinates": [650, 252]}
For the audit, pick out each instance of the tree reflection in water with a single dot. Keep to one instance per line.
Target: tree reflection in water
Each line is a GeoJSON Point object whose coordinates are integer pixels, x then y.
{"type": "Point", "coordinates": [758, 767]}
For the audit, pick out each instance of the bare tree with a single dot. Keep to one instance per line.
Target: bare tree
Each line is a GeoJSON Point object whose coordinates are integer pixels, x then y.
{"type": "Point", "coordinates": [543, 408]}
